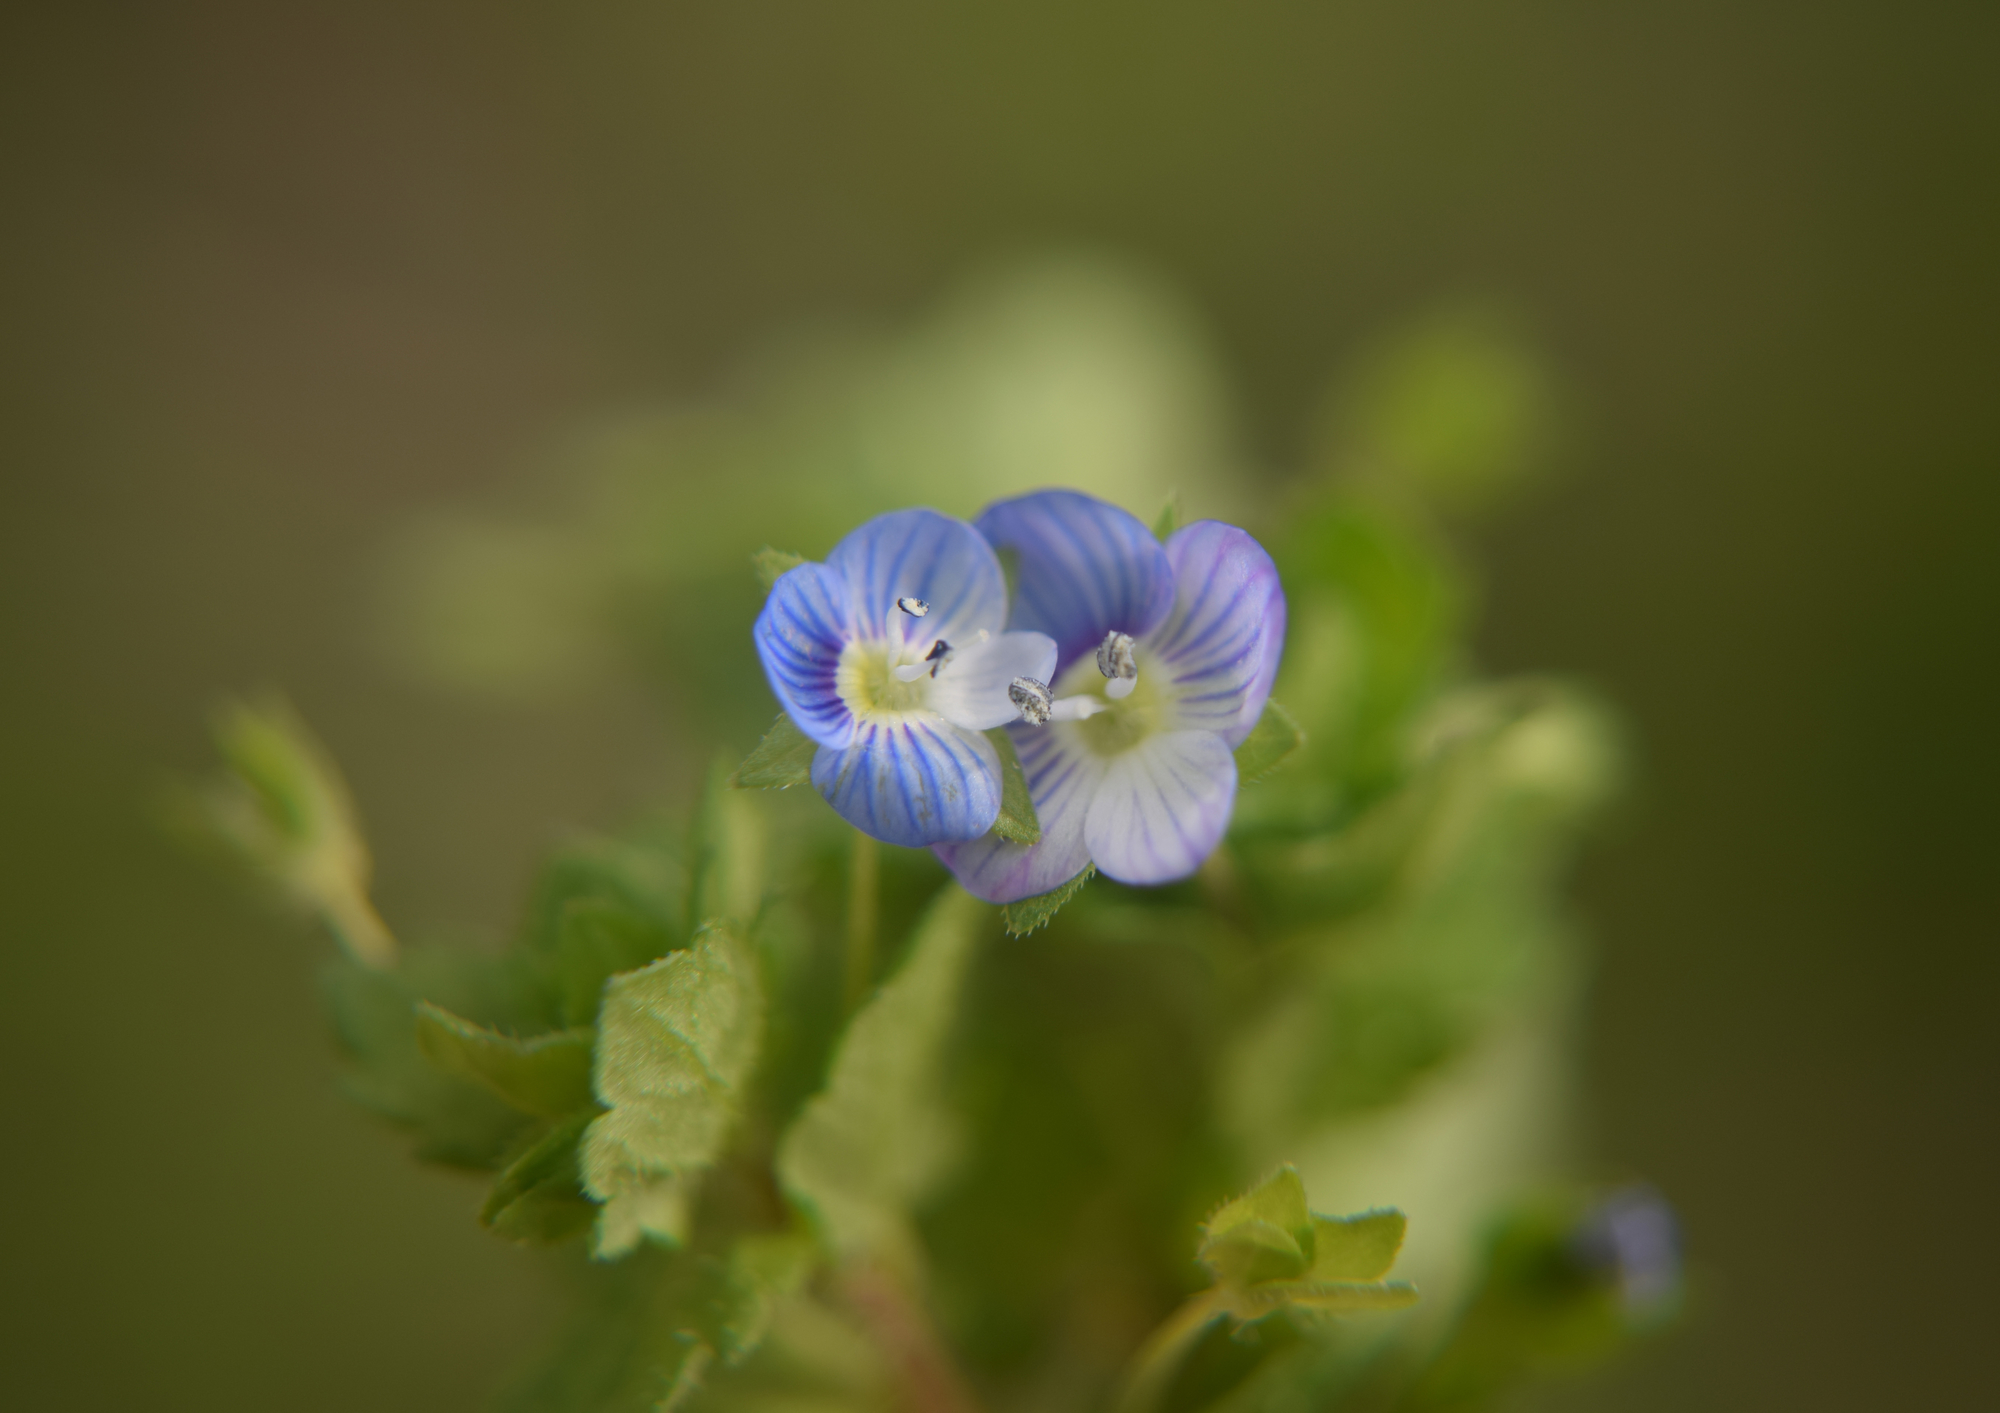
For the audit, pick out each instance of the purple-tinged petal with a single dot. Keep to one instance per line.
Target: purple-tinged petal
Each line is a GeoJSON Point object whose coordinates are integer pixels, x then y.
{"type": "Point", "coordinates": [1161, 807]}
{"type": "Point", "coordinates": [914, 781]}
{"type": "Point", "coordinates": [971, 689]}
{"type": "Point", "coordinates": [1083, 568]}
{"type": "Point", "coordinates": [1221, 644]}
{"type": "Point", "coordinates": [799, 637]}
{"type": "Point", "coordinates": [1062, 777]}
{"type": "Point", "coordinates": [920, 554]}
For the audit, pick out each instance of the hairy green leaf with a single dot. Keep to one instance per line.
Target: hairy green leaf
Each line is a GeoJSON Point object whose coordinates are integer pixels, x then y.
{"type": "Point", "coordinates": [547, 1076]}
{"type": "Point", "coordinates": [1017, 821]}
{"type": "Point", "coordinates": [1268, 1250]}
{"type": "Point", "coordinates": [1326, 1297]}
{"type": "Point", "coordinates": [676, 1043]}
{"type": "Point", "coordinates": [647, 882]}
{"type": "Point", "coordinates": [773, 563]}
{"type": "Point", "coordinates": [1030, 913]}
{"type": "Point", "coordinates": [1278, 1201]}
{"type": "Point", "coordinates": [455, 1121]}
{"type": "Point", "coordinates": [597, 939]}
{"type": "Point", "coordinates": [782, 759]}
{"type": "Point", "coordinates": [1270, 743]}
{"type": "Point", "coordinates": [281, 810]}
{"type": "Point", "coordinates": [1359, 1248]}
{"type": "Point", "coordinates": [639, 1342]}
{"type": "Point", "coordinates": [763, 1269]}
{"type": "Point", "coordinates": [874, 1139]}
{"type": "Point", "coordinates": [540, 1196]}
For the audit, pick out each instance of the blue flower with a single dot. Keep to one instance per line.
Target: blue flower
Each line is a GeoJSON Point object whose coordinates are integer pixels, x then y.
{"type": "Point", "coordinates": [891, 656]}
{"type": "Point", "coordinates": [1166, 656]}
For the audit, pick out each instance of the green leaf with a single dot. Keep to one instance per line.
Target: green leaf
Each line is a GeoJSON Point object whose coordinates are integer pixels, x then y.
{"type": "Point", "coordinates": [782, 759]}
{"type": "Point", "coordinates": [1169, 518]}
{"type": "Point", "coordinates": [676, 1044]}
{"type": "Point", "coordinates": [1270, 742]}
{"type": "Point", "coordinates": [1360, 1248]}
{"type": "Point", "coordinates": [547, 1076]}
{"type": "Point", "coordinates": [1253, 1251]}
{"type": "Point", "coordinates": [1030, 913]}
{"type": "Point", "coordinates": [454, 1121]}
{"type": "Point", "coordinates": [646, 881]}
{"type": "Point", "coordinates": [598, 938]}
{"type": "Point", "coordinates": [773, 563]}
{"type": "Point", "coordinates": [1328, 1298]}
{"type": "Point", "coordinates": [637, 1343]}
{"type": "Point", "coordinates": [872, 1142]}
{"type": "Point", "coordinates": [540, 1196]}
{"type": "Point", "coordinates": [280, 810]}
{"type": "Point", "coordinates": [1272, 1215]}
{"type": "Point", "coordinates": [764, 1268]}
{"type": "Point", "coordinates": [1268, 1250]}
{"type": "Point", "coordinates": [1017, 821]}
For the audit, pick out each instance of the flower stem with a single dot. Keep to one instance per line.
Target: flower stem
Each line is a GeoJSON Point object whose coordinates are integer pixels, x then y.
{"type": "Point", "coordinates": [864, 897]}
{"type": "Point", "coordinates": [1152, 1367]}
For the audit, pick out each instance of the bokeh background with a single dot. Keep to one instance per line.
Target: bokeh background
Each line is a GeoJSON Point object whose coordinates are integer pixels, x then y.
{"type": "Point", "coordinates": [282, 285]}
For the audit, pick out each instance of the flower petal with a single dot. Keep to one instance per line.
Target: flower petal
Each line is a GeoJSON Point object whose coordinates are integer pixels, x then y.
{"type": "Point", "coordinates": [1062, 777]}
{"type": "Point", "coordinates": [920, 554]}
{"type": "Point", "coordinates": [1084, 567]}
{"type": "Point", "coordinates": [1161, 807]}
{"type": "Point", "coordinates": [799, 635]}
{"type": "Point", "coordinates": [914, 781]}
{"type": "Point", "coordinates": [1221, 644]}
{"type": "Point", "coordinates": [971, 689]}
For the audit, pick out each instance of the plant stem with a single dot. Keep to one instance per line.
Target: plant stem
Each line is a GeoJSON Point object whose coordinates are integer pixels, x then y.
{"type": "Point", "coordinates": [1152, 1367]}
{"type": "Point", "coordinates": [864, 899]}
{"type": "Point", "coordinates": [926, 1377]}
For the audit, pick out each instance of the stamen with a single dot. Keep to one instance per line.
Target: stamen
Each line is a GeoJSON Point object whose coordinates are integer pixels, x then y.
{"type": "Point", "coordinates": [916, 608]}
{"type": "Point", "coordinates": [909, 672]}
{"type": "Point", "coordinates": [1031, 699]}
{"type": "Point", "coordinates": [1080, 708]}
{"type": "Point", "coordinates": [1117, 661]}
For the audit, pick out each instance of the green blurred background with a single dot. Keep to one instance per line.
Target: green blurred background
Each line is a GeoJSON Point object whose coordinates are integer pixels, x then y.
{"type": "Point", "coordinates": [281, 282]}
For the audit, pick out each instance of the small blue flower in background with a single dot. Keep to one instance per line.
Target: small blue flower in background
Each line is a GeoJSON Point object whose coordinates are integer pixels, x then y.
{"type": "Point", "coordinates": [1632, 1237]}
{"type": "Point", "coordinates": [1166, 655]}
{"type": "Point", "coordinates": [891, 656]}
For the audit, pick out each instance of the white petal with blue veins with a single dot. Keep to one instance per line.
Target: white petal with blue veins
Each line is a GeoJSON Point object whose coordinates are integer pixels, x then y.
{"type": "Point", "coordinates": [971, 688]}
{"type": "Point", "coordinates": [1161, 807]}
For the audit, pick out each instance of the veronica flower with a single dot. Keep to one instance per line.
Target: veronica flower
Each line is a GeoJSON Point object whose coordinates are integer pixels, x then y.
{"type": "Point", "coordinates": [1165, 659]}
{"type": "Point", "coordinates": [891, 657]}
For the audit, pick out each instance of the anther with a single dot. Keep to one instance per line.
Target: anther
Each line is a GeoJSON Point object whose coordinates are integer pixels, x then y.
{"type": "Point", "coordinates": [1114, 655]}
{"type": "Point", "coordinates": [916, 608]}
{"type": "Point", "coordinates": [939, 655]}
{"type": "Point", "coordinates": [1031, 699]}
{"type": "Point", "coordinates": [1116, 660]}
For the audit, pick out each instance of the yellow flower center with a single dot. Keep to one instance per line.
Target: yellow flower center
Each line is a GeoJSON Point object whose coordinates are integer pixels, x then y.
{"type": "Point", "coordinates": [1122, 723]}
{"type": "Point", "coordinates": [867, 683]}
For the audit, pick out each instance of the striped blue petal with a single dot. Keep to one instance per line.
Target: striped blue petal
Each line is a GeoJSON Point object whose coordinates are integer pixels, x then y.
{"type": "Point", "coordinates": [927, 555]}
{"type": "Point", "coordinates": [1161, 807]}
{"type": "Point", "coordinates": [1221, 644]}
{"type": "Point", "coordinates": [1062, 776]}
{"type": "Point", "coordinates": [1083, 567]}
{"type": "Point", "coordinates": [914, 781]}
{"type": "Point", "coordinates": [800, 634]}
